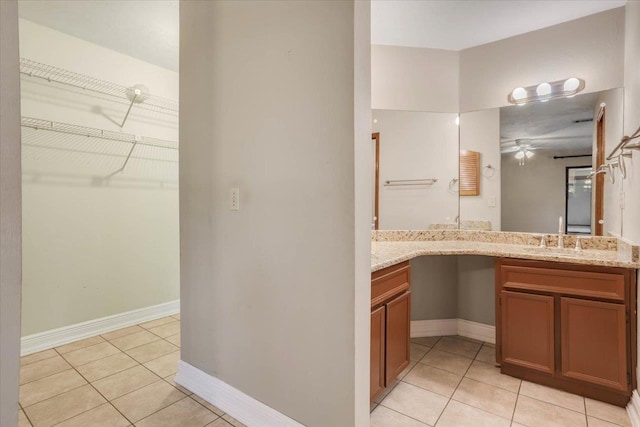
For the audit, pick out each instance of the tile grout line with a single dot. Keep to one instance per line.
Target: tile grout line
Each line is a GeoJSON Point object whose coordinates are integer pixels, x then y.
{"type": "Point", "coordinates": [103, 396]}
{"type": "Point", "coordinates": [71, 367]}
{"type": "Point", "coordinates": [25, 413]}
{"type": "Point", "coordinates": [475, 407]}
{"type": "Point", "coordinates": [184, 398]}
{"type": "Point", "coordinates": [92, 386]}
{"type": "Point", "coordinates": [408, 416]}
{"type": "Point", "coordinates": [90, 409]}
{"type": "Point", "coordinates": [46, 358]}
{"type": "Point", "coordinates": [563, 407]}
{"type": "Point", "coordinates": [140, 388]}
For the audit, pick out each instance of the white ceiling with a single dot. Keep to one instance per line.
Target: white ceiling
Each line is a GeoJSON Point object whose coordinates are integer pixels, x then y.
{"type": "Point", "coordinates": [460, 24]}
{"type": "Point", "coordinates": [144, 29]}
{"type": "Point", "coordinates": [149, 29]}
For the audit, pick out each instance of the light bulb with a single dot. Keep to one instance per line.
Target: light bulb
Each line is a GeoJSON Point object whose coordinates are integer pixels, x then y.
{"type": "Point", "coordinates": [519, 155]}
{"type": "Point", "coordinates": [571, 84]}
{"type": "Point", "coordinates": [519, 93]}
{"type": "Point", "coordinates": [543, 89]}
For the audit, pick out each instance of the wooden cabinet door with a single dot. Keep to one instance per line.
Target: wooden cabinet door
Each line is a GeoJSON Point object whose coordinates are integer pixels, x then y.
{"type": "Point", "coordinates": [377, 352]}
{"type": "Point", "coordinates": [528, 330]}
{"type": "Point", "coordinates": [594, 342]}
{"type": "Point", "coordinates": [398, 345]}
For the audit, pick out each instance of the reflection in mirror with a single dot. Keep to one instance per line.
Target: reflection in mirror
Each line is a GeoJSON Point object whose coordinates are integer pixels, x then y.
{"type": "Point", "coordinates": [525, 151]}
{"type": "Point", "coordinates": [578, 199]}
{"type": "Point", "coordinates": [418, 161]}
{"type": "Point", "coordinates": [480, 132]}
{"type": "Point", "coordinates": [548, 151]}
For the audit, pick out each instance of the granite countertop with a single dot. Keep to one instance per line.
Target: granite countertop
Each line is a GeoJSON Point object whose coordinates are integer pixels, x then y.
{"type": "Point", "coordinates": [391, 247]}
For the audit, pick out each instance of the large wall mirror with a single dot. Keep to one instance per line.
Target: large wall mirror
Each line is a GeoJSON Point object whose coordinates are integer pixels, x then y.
{"type": "Point", "coordinates": [538, 163]}
{"type": "Point", "coordinates": [417, 170]}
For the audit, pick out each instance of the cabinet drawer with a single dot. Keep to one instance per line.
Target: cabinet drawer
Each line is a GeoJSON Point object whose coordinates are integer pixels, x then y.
{"type": "Point", "coordinates": [389, 282]}
{"type": "Point", "coordinates": [569, 282]}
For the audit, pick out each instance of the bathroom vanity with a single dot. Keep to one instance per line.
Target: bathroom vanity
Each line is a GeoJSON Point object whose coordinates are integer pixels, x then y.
{"type": "Point", "coordinates": [568, 326]}
{"type": "Point", "coordinates": [564, 318]}
{"type": "Point", "coordinates": [390, 325]}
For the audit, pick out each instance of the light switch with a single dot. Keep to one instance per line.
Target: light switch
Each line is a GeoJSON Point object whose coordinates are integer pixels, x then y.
{"type": "Point", "coordinates": [235, 199]}
{"type": "Point", "coordinates": [491, 201]}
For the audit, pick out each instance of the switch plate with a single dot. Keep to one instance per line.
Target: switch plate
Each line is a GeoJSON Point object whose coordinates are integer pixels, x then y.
{"type": "Point", "coordinates": [491, 201]}
{"type": "Point", "coordinates": [235, 199]}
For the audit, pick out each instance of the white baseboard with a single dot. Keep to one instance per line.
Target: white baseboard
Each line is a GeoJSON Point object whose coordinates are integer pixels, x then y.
{"type": "Point", "coordinates": [240, 406]}
{"type": "Point", "coordinates": [477, 331]}
{"type": "Point", "coordinates": [56, 337]}
{"type": "Point", "coordinates": [461, 327]}
{"type": "Point", "coordinates": [434, 328]}
{"type": "Point", "coordinates": [633, 409]}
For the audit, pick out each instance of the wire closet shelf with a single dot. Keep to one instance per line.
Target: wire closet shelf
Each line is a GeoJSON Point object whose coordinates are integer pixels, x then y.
{"type": "Point", "coordinates": [67, 128]}
{"type": "Point", "coordinates": [59, 75]}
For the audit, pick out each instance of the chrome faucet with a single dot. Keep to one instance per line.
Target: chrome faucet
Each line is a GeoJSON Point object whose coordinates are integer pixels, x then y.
{"type": "Point", "coordinates": [560, 234]}
{"type": "Point", "coordinates": [543, 241]}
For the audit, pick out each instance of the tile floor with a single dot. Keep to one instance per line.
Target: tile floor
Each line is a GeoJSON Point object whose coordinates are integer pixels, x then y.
{"type": "Point", "coordinates": [119, 379]}
{"type": "Point", "coordinates": [124, 378]}
{"type": "Point", "coordinates": [453, 381]}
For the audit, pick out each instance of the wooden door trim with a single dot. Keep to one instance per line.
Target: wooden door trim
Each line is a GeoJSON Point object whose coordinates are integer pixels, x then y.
{"type": "Point", "coordinates": [380, 311]}
{"type": "Point", "coordinates": [376, 211]}
{"type": "Point", "coordinates": [600, 159]}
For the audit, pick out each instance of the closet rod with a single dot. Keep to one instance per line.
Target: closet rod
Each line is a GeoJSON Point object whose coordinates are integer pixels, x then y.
{"type": "Point", "coordinates": [97, 133]}
{"type": "Point", "coordinates": [60, 75]}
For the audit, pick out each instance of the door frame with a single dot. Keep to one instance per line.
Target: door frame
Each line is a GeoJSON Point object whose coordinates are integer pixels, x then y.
{"type": "Point", "coordinates": [598, 214]}
{"type": "Point", "coordinates": [10, 214]}
{"type": "Point", "coordinates": [376, 196]}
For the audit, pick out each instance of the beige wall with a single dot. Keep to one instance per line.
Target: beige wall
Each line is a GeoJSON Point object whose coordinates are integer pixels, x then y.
{"type": "Point", "coordinates": [269, 291]}
{"type": "Point", "coordinates": [10, 232]}
{"type": "Point", "coordinates": [591, 48]}
{"type": "Point", "coordinates": [434, 287]}
{"type": "Point", "coordinates": [363, 200]}
{"type": "Point", "coordinates": [93, 247]}
{"type": "Point", "coordinates": [414, 79]}
{"type": "Point", "coordinates": [480, 131]}
{"type": "Point", "coordinates": [631, 213]}
{"type": "Point", "coordinates": [476, 289]}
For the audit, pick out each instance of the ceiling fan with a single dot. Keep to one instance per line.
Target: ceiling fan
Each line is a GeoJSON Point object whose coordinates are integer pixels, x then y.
{"type": "Point", "coordinates": [522, 151]}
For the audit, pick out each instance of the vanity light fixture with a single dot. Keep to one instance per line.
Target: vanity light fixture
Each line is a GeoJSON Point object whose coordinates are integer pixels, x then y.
{"type": "Point", "coordinates": [545, 91]}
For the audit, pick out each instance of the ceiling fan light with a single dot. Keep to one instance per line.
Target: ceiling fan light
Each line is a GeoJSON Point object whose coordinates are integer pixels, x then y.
{"type": "Point", "coordinates": [519, 155]}
{"type": "Point", "coordinates": [529, 154]}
